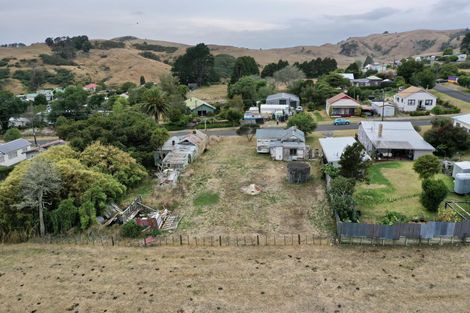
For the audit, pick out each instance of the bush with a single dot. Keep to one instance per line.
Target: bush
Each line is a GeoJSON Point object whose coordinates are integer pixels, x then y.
{"type": "Point", "coordinates": [303, 121]}
{"type": "Point", "coordinates": [12, 134]}
{"type": "Point", "coordinates": [341, 199]}
{"type": "Point", "coordinates": [156, 48]}
{"type": "Point", "coordinates": [392, 217]}
{"type": "Point", "coordinates": [427, 166]}
{"type": "Point", "coordinates": [108, 44]}
{"type": "Point", "coordinates": [55, 60]}
{"type": "Point", "coordinates": [131, 229]}
{"type": "Point", "coordinates": [150, 55]}
{"type": "Point", "coordinates": [434, 192]}
{"type": "Point", "coordinates": [445, 109]}
{"type": "Point", "coordinates": [4, 73]}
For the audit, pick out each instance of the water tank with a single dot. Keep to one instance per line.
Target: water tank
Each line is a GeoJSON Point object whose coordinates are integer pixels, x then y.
{"type": "Point", "coordinates": [462, 183]}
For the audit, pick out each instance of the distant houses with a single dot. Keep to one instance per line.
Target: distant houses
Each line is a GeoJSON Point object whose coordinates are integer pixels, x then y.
{"type": "Point", "coordinates": [342, 105]}
{"type": "Point", "coordinates": [282, 144]}
{"type": "Point", "coordinates": [414, 98]}
{"type": "Point", "coordinates": [371, 81]}
{"type": "Point", "coordinates": [392, 140]}
{"type": "Point", "coordinates": [199, 107]}
{"type": "Point", "coordinates": [90, 87]}
{"type": "Point", "coordinates": [378, 67]}
{"type": "Point", "coordinates": [14, 152]}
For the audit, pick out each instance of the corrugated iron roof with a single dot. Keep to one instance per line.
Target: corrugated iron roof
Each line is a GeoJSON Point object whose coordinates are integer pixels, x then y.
{"type": "Point", "coordinates": [14, 145]}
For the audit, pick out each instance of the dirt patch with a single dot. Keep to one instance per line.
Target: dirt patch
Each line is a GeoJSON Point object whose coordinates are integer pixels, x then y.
{"type": "Point", "coordinates": [37, 278]}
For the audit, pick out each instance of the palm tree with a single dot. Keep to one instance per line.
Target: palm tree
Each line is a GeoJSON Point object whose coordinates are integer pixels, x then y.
{"type": "Point", "coordinates": [155, 103]}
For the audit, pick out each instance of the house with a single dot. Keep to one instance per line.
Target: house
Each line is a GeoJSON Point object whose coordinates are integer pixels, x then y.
{"type": "Point", "coordinates": [462, 58]}
{"type": "Point", "coordinates": [348, 76]}
{"type": "Point", "coordinates": [31, 153]}
{"type": "Point", "coordinates": [379, 68]}
{"type": "Point", "coordinates": [199, 107]}
{"type": "Point", "coordinates": [282, 144]}
{"type": "Point", "coordinates": [333, 148]}
{"type": "Point", "coordinates": [414, 98]}
{"type": "Point", "coordinates": [49, 94]}
{"type": "Point", "coordinates": [179, 151]}
{"type": "Point", "coordinates": [385, 108]}
{"type": "Point", "coordinates": [342, 105]}
{"type": "Point", "coordinates": [462, 121]}
{"type": "Point", "coordinates": [90, 87]}
{"type": "Point", "coordinates": [371, 81]}
{"type": "Point", "coordinates": [18, 121]}
{"type": "Point", "coordinates": [278, 111]}
{"type": "Point", "coordinates": [13, 152]}
{"type": "Point", "coordinates": [284, 99]}
{"type": "Point", "coordinates": [394, 140]}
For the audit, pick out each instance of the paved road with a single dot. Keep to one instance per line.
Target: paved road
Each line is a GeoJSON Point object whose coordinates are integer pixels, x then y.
{"type": "Point", "coordinates": [320, 128]}
{"type": "Point", "coordinates": [453, 93]}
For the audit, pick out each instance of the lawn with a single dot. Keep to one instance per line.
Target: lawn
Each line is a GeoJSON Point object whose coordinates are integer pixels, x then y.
{"type": "Point", "coordinates": [464, 106]}
{"type": "Point", "coordinates": [210, 198]}
{"type": "Point", "coordinates": [393, 186]}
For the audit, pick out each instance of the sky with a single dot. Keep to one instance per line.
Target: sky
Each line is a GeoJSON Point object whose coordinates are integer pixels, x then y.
{"type": "Point", "coordinates": [242, 23]}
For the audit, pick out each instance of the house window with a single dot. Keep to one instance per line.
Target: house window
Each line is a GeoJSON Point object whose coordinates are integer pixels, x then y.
{"type": "Point", "coordinates": [428, 102]}
{"type": "Point", "coordinates": [401, 100]}
{"type": "Point", "coordinates": [411, 102]}
{"type": "Point", "coordinates": [292, 151]}
{"type": "Point", "coordinates": [12, 155]}
{"type": "Point", "coordinates": [282, 101]}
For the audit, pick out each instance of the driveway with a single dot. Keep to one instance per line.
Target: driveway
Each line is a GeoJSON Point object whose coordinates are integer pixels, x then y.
{"type": "Point", "coordinates": [453, 93]}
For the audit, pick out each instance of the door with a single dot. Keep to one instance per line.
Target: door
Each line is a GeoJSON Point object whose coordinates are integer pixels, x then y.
{"type": "Point", "coordinates": [278, 153]}
{"type": "Point", "coordinates": [420, 104]}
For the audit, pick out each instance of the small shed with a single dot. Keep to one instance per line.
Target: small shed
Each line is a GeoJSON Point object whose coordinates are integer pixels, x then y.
{"type": "Point", "coordinates": [298, 172]}
{"type": "Point", "coordinates": [462, 183]}
{"type": "Point", "coordinates": [461, 167]}
{"type": "Point", "coordinates": [386, 108]}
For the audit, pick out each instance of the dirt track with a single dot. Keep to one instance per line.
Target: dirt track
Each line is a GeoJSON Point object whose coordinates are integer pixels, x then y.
{"type": "Point", "coordinates": [36, 278]}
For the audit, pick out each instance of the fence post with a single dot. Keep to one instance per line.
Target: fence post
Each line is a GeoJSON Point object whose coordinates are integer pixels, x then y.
{"type": "Point", "coordinates": [237, 240]}
{"type": "Point", "coordinates": [298, 237]}
{"type": "Point", "coordinates": [274, 239]}
{"type": "Point", "coordinates": [145, 243]}
{"type": "Point", "coordinates": [220, 240]}
{"type": "Point", "coordinates": [195, 240]}
{"type": "Point", "coordinates": [112, 241]}
{"type": "Point", "coordinates": [181, 240]}
{"type": "Point", "coordinates": [266, 240]}
{"type": "Point", "coordinates": [257, 240]}
{"type": "Point", "coordinates": [212, 240]}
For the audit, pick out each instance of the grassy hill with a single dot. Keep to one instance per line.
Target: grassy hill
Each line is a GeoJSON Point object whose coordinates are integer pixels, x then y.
{"type": "Point", "coordinates": [128, 62]}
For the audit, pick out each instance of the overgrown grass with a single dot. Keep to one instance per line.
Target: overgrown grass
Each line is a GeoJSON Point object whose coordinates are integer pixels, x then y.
{"type": "Point", "coordinates": [206, 199]}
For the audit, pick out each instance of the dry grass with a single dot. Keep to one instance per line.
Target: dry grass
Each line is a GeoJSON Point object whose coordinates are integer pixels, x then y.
{"type": "Point", "coordinates": [39, 278]}
{"type": "Point", "coordinates": [464, 106]}
{"type": "Point", "coordinates": [214, 93]}
{"type": "Point", "coordinates": [227, 167]}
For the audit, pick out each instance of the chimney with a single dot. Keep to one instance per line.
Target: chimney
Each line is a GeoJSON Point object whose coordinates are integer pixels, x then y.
{"type": "Point", "coordinates": [381, 129]}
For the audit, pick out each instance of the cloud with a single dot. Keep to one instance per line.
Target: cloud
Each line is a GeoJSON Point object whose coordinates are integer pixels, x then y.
{"type": "Point", "coordinates": [372, 15]}
{"type": "Point", "coordinates": [232, 25]}
{"type": "Point", "coordinates": [452, 6]}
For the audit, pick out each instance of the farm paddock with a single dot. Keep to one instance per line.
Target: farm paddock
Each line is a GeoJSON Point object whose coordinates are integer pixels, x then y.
{"type": "Point", "coordinates": [62, 278]}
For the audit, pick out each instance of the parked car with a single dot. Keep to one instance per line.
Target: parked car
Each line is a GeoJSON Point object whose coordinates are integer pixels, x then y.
{"type": "Point", "coordinates": [341, 121]}
{"type": "Point", "coordinates": [299, 109]}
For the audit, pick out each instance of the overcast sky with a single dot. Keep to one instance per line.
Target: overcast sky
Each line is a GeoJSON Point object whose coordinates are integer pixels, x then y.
{"type": "Point", "coordinates": [245, 23]}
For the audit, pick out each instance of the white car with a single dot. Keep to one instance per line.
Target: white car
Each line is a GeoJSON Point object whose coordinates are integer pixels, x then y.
{"type": "Point", "coordinates": [299, 109]}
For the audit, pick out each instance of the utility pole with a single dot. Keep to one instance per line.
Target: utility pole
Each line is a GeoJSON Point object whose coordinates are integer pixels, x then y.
{"type": "Point", "coordinates": [32, 123]}
{"type": "Point", "coordinates": [383, 104]}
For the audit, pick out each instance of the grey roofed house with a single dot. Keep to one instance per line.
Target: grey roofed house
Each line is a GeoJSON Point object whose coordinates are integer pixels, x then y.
{"type": "Point", "coordinates": [284, 98]}
{"type": "Point", "coordinates": [393, 140]}
{"type": "Point", "coordinates": [14, 145]}
{"type": "Point", "coordinates": [282, 144]}
{"type": "Point", "coordinates": [333, 148]}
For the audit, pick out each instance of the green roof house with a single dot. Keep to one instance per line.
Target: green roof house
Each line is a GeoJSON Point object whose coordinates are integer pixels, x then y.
{"type": "Point", "coordinates": [199, 107]}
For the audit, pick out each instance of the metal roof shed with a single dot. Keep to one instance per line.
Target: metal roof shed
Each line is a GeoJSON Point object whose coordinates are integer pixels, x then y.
{"type": "Point", "coordinates": [461, 167]}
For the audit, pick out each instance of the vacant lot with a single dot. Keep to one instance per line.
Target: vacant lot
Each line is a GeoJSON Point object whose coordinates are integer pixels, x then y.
{"type": "Point", "coordinates": [209, 195]}
{"type": "Point", "coordinates": [35, 278]}
{"type": "Point", "coordinates": [394, 186]}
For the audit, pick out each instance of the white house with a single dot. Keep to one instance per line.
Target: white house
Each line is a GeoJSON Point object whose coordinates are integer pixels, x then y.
{"type": "Point", "coordinates": [387, 108]}
{"type": "Point", "coordinates": [342, 105]}
{"type": "Point", "coordinates": [18, 121]}
{"type": "Point", "coordinates": [392, 140]}
{"type": "Point", "coordinates": [462, 121]}
{"type": "Point", "coordinates": [380, 68]}
{"type": "Point", "coordinates": [14, 152]}
{"type": "Point", "coordinates": [349, 76]}
{"type": "Point", "coordinates": [284, 99]}
{"type": "Point", "coordinates": [282, 144]}
{"type": "Point", "coordinates": [414, 98]}
{"type": "Point", "coordinates": [462, 58]}
{"type": "Point", "coordinates": [333, 148]}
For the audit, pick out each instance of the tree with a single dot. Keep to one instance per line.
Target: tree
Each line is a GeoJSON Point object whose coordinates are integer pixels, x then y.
{"type": "Point", "coordinates": [10, 106]}
{"type": "Point", "coordinates": [248, 130]}
{"type": "Point", "coordinates": [353, 162]}
{"type": "Point", "coordinates": [12, 134]}
{"type": "Point", "coordinates": [40, 184]}
{"type": "Point", "coordinates": [271, 68]}
{"type": "Point", "coordinates": [464, 81]}
{"type": "Point", "coordinates": [368, 61]}
{"type": "Point", "coordinates": [223, 65]}
{"type": "Point", "coordinates": [448, 51]}
{"type": "Point", "coordinates": [233, 116]}
{"type": "Point", "coordinates": [341, 198]}
{"type": "Point", "coordinates": [323, 91]}
{"type": "Point", "coordinates": [354, 69]}
{"type": "Point", "coordinates": [142, 80]}
{"type": "Point", "coordinates": [434, 192]}
{"type": "Point", "coordinates": [427, 166]}
{"type": "Point", "coordinates": [110, 160]}
{"type": "Point", "coordinates": [249, 88]}
{"type": "Point", "coordinates": [335, 80]}
{"type": "Point", "coordinates": [195, 66]}
{"type": "Point", "coordinates": [465, 45]}
{"type": "Point", "coordinates": [448, 69]}
{"type": "Point", "coordinates": [71, 104]}
{"type": "Point", "coordinates": [96, 101]}
{"type": "Point", "coordinates": [425, 78]}
{"type": "Point", "coordinates": [244, 66]}
{"type": "Point", "coordinates": [409, 67]}
{"type": "Point", "coordinates": [446, 138]}
{"type": "Point", "coordinates": [289, 74]}
{"type": "Point", "coordinates": [303, 121]}
{"type": "Point", "coordinates": [155, 103]}
{"type": "Point", "coordinates": [40, 99]}
{"type": "Point", "coordinates": [159, 136]}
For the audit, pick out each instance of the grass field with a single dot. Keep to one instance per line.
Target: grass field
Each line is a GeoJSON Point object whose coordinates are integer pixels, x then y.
{"type": "Point", "coordinates": [214, 93]}
{"type": "Point", "coordinates": [393, 186]}
{"type": "Point", "coordinates": [209, 195]}
{"type": "Point", "coordinates": [40, 278]}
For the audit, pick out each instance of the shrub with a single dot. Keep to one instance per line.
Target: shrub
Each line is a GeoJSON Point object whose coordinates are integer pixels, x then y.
{"type": "Point", "coordinates": [131, 229]}
{"type": "Point", "coordinates": [108, 44]}
{"type": "Point", "coordinates": [434, 192]}
{"type": "Point", "coordinates": [341, 198]}
{"type": "Point", "coordinates": [150, 55]}
{"type": "Point", "coordinates": [442, 110]}
{"type": "Point", "coordinates": [12, 134]}
{"type": "Point", "coordinates": [420, 113]}
{"type": "Point", "coordinates": [427, 166]}
{"type": "Point", "coordinates": [55, 60]}
{"type": "Point", "coordinates": [157, 48]}
{"type": "Point", "coordinates": [392, 217]}
{"type": "Point", "coordinates": [303, 121]}
{"type": "Point", "coordinates": [4, 73]}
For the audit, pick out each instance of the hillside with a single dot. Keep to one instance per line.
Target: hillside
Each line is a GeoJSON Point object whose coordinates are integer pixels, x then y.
{"type": "Point", "coordinates": [117, 65]}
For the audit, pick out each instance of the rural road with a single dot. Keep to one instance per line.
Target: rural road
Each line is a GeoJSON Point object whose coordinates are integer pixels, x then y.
{"type": "Point", "coordinates": [453, 93]}
{"type": "Point", "coordinates": [321, 128]}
